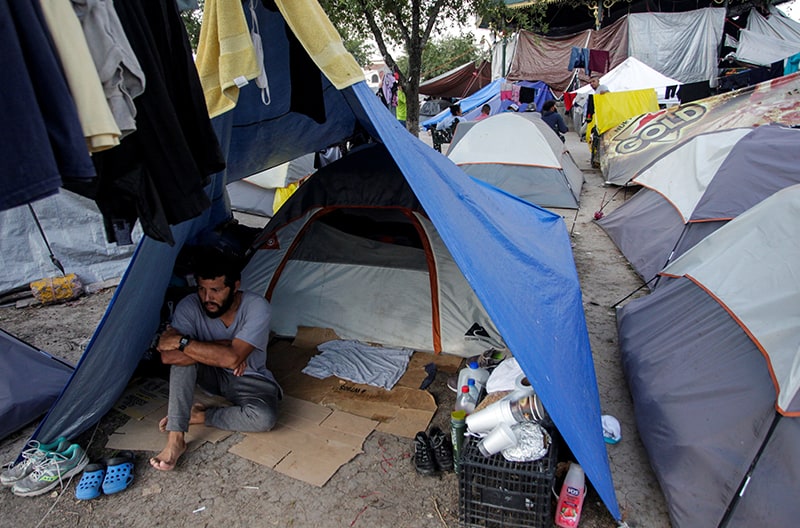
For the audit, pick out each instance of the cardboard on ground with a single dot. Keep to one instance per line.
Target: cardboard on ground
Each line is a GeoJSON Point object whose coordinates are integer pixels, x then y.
{"type": "Point", "coordinates": [146, 402]}
{"type": "Point", "coordinates": [402, 411]}
{"type": "Point", "coordinates": [309, 443]}
{"type": "Point", "coordinates": [322, 423]}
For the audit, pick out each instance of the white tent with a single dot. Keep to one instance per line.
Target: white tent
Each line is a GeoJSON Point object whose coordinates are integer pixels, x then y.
{"type": "Point", "coordinates": [521, 154]}
{"type": "Point", "coordinates": [633, 74]}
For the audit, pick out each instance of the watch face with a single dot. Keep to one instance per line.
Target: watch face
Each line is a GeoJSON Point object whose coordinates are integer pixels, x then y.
{"type": "Point", "coordinates": [183, 342]}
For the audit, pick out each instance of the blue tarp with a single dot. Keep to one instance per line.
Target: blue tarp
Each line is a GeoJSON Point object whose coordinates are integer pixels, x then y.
{"type": "Point", "coordinates": [470, 106]}
{"type": "Point", "coordinates": [516, 256]}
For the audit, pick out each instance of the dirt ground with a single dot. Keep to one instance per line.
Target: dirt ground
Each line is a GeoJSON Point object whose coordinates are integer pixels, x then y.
{"type": "Point", "coordinates": [379, 488]}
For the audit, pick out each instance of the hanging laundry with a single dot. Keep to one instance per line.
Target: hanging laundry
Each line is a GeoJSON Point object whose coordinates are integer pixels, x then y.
{"type": "Point", "coordinates": [792, 64]}
{"type": "Point", "coordinates": [159, 172]}
{"type": "Point", "coordinates": [579, 58]}
{"type": "Point", "coordinates": [42, 139]}
{"type": "Point", "coordinates": [569, 98]}
{"type": "Point", "coordinates": [99, 127]}
{"type": "Point", "coordinates": [226, 59]}
{"type": "Point", "coordinates": [694, 91]}
{"type": "Point", "coordinates": [116, 64]}
{"type": "Point", "coordinates": [599, 60]}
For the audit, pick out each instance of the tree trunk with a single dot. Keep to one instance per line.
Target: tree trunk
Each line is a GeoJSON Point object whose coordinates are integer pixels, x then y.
{"type": "Point", "coordinates": [412, 89]}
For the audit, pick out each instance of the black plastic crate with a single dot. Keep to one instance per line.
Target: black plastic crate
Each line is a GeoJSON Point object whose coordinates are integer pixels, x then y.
{"type": "Point", "coordinates": [494, 492]}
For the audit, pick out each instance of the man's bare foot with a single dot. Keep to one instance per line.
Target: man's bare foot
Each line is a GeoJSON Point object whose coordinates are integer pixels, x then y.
{"type": "Point", "coordinates": [168, 457]}
{"type": "Point", "coordinates": [198, 416]}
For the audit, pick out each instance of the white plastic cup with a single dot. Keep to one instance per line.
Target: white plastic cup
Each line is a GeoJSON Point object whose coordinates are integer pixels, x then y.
{"type": "Point", "coordinates": [490, 417]}
{"type": "Point", "coordinates": [501, 437]}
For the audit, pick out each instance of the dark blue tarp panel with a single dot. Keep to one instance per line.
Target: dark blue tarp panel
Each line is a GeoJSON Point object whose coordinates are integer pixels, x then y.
{"type": "Point", "coordinates": [30, 381]}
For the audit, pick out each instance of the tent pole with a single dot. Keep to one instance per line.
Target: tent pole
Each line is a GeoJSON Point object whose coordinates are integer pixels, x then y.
{"type": "Point", "coordinates": [631, 293]}
{"type": "Point", "coordinates": [746, 479]}
{"type": "Point", "coordinates": [53, 258]}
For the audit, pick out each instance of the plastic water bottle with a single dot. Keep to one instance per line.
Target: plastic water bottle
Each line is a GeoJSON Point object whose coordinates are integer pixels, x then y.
{"type": "Point", "coordinates": [473, 389]}
{"type": "Point", "coordinates": [479, 374]}
{"type": "Point", "coordinates": [570, 501]}
{"type": "Point", "coordinates": [465, 402]}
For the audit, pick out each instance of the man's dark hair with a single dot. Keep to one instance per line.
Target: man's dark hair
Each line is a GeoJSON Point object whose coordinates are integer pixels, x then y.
{"type": "Point", "coordinates": [455, 109]}
{"type": "Point", "coordinates": [550, 104]}
{"type": "Point", "coordinates": [210, 263]}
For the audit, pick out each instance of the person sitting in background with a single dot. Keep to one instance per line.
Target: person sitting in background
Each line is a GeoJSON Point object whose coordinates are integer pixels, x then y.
{"type": "Point", "coordinates": [452, 119]}
{"type": "Point", "coordinates": [551, 116]}
{"type": "Point", "coordinates": [485, 111]}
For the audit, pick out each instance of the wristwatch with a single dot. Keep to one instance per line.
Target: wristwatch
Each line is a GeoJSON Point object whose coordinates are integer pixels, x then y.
{"type": "Point", "coordinates": [184, 342]}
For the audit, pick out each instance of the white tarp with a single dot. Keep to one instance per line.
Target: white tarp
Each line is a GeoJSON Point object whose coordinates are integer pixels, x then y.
{"type": "Point", "coordinates": [633, 74]}
{"type": "Point", "coordinates": [762, 50]}
{"type": "Point", "coordinates": [778, 25]}
{"type": "Point", "coordinates": [750, 266]}
{"type": "Point", "coordinates": [74, 229]}
{"type": "Point", "coordinates": [768, 40]}
{"type": "Point", "coordinates": [503, 49]}
{"type": "Point", "coordinates": [679, 45]}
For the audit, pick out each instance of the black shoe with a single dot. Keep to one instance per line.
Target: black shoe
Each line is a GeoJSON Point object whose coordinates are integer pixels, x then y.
{"type": "Point", "coordinates": [442, 449]}
{"type": "Point", "coordinates": [423, 455]}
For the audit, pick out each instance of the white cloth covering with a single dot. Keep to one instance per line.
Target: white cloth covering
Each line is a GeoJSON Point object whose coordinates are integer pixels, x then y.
{"type": "Point", "coordinates": [360, 363]}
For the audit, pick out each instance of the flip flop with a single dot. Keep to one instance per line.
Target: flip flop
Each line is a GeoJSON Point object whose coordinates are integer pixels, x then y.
{"type": "Point", "coordinates": [89, 486]}
{"type": "Point", "coordinates": [119, 473]}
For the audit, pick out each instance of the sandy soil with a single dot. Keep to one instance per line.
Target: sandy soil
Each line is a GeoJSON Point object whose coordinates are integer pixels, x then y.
{"type": "Point", "coordinates": [379, 488]}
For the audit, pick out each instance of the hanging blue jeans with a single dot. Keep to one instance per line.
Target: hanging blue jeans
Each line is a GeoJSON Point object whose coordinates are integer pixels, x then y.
{"type": "Point", "coordinates": [579, 58]}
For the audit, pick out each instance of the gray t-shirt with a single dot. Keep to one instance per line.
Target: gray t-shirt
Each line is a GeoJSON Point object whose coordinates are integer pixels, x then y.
{"type": "Point", "coordinates": [250, 325]}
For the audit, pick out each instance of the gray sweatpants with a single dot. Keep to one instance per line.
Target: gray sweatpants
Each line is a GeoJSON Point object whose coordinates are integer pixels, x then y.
{"type": "Point", "coordinates": [255, 400]}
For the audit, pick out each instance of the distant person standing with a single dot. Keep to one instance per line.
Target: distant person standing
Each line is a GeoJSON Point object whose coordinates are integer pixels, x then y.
{"type": "Point", "coordinates": [553, 119]}
{"type": "Point", "coordinates": [594, 143]}
{"type": "Point", "coordinates": [485, 111]}
{"type": "Point", "coordinates": [401, 111]}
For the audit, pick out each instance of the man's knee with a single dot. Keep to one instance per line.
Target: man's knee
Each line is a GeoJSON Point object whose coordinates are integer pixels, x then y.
{"type": "Point", "coordinates": [261, 416]}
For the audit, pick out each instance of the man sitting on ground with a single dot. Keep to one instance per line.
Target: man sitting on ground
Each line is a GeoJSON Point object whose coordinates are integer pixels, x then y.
{"type": "Point", "coordinates": [217, 338]}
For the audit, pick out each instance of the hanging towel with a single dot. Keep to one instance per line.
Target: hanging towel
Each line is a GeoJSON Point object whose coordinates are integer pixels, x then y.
{"type": "Point", "coordinates": [226, 59]}
{"type": "Point", "coordinates": [599, 60]}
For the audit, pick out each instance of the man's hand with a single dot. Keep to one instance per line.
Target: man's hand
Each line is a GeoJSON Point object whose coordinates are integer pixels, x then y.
{"type": "Point", "coordinates": [239, 370]}
{"type": "Point", "coordinates": [170, 339]}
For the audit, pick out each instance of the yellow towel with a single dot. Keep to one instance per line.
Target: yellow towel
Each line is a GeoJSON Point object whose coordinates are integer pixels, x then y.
{"type": "Point", "coordinates": [319, 38]}
{"type": "Point", "coordinates": [225, 53]}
